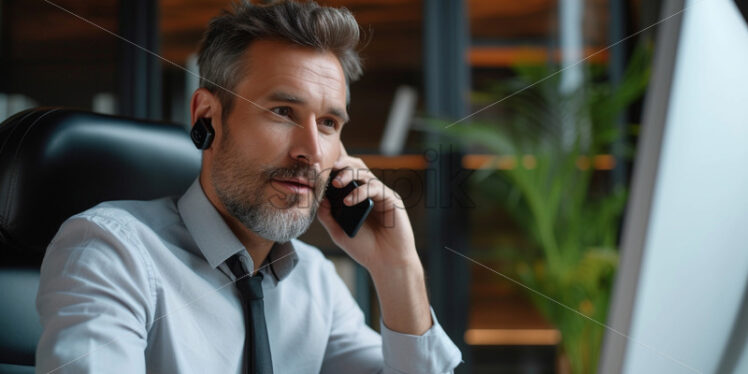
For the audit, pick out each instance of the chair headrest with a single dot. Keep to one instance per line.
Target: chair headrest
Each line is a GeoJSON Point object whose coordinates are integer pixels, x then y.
{"type": "Point", "coordinates": [57, 162]}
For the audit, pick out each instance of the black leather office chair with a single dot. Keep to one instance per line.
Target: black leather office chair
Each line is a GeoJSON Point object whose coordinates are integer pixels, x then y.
{"type": "Point", "coordinates": [54, 163]}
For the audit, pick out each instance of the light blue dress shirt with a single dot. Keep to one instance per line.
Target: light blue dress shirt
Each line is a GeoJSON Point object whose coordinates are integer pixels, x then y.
{"type": "Point", "coordinates": [141, 286]}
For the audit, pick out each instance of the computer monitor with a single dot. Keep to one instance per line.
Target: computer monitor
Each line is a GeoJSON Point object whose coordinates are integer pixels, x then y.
{"type": "Point", "coordinates": [680, 301]}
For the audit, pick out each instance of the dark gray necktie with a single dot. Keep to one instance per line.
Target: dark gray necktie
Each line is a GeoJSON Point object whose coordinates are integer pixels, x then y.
{"type": "Point", "coordinates": [257, 358]}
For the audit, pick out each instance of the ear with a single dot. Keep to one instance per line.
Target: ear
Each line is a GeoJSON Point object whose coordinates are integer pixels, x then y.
{"type": "Point", "coordinates": [205, 105]}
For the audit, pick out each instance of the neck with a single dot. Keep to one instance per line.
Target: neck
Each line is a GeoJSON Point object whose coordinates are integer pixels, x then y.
{"type": "Point", "coordinates": [257, 246]}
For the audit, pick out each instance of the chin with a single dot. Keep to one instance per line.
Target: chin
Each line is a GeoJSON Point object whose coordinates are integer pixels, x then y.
{"type": "Point", "coordinates": [305, 202]}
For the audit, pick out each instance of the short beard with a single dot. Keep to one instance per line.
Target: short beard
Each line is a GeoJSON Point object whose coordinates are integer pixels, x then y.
{"type": "Point", "coordinates": [274, 219]}
{"type": "Point", "coordinates": [269, 222]}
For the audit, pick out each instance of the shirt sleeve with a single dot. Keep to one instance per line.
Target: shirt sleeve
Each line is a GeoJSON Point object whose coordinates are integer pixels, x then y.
{"type": "Point", "coordinates": [432, 352]}
{"type": "Point", "coordinates": [94, 300]}
{"type": "Point", "coordinates": [353, 347]}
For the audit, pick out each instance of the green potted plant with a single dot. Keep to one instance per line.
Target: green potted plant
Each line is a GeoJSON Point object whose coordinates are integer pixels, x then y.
{"type": "Point", "coordinates": [552, 190]}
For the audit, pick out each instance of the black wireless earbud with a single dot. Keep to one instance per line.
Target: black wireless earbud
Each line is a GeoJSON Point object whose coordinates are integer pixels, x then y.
{"type": "Point", "coordinates": [202, 133]}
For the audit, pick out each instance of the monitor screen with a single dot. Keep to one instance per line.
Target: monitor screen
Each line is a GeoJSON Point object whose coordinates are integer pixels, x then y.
{"type": "Point", "coordinates": [680, 298]}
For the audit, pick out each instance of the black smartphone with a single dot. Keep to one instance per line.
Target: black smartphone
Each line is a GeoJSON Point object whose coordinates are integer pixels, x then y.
{"type": "Point", "coordinates": [350, 218]}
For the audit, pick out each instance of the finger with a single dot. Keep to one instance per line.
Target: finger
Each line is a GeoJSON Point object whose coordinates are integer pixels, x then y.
{"type": "Point", "coordinates": [374, 190]}
{"type": "Point", "coordinates": [347, 160]}
{"type": "Point", "coordinates": [344, 176]}
{"type": "Point", "coordinates": [347, 175]}
{"type": "Point", "coordinates": [363, 175]}
{"type": "Point", "coordinates": [384, 197]}
{"type": "Point", "coordinates": [357, 163]}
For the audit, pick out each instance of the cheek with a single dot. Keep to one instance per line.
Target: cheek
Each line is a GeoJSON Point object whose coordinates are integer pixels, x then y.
{"type": "Point", "coordinates": [330, 152]}
{"type": "Point", "coordinates": [241, 158]}
{"type": "Point", "coordinates": [259, 142]}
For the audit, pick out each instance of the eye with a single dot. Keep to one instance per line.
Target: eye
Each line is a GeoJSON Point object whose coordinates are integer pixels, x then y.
{"type": "Point", "coordinates": [327, 122]}
{"type": "Point", "coordinates": [282, 111]}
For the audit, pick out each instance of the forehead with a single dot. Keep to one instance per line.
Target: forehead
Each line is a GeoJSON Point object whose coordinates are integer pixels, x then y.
{"type": "Point", "coordinates": [269, 65]}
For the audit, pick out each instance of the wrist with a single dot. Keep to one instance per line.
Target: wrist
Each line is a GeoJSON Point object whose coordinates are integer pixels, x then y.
{"type": "Point", "coordinates": [403, 299]}
{"type": "Point", "coordinates": [408, 268]}
{"type": "Point", "coordinates": [402, 281]}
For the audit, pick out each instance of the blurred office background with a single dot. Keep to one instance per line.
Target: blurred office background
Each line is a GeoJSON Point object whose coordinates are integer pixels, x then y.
{"type": "Point", "coordinates": [568, 64]}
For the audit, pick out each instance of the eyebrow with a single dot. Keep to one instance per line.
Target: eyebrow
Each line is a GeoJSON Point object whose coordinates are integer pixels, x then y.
{"type": "Point", "coordinates": [292, 99]}
{"type": "Point", "coordinates": [286, 97]}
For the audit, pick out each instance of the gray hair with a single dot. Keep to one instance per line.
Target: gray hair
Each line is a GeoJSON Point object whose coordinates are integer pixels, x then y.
{"type": "Point", "coordinates": [306, 24]}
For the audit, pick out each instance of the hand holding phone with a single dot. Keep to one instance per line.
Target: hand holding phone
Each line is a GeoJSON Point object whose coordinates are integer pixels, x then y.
{"type": "Point", "coordinates": [385, 244]}
{"type": "Point", "coordinates": [350, 218]}
{"type": "Point", "coordinates": [385, 238]}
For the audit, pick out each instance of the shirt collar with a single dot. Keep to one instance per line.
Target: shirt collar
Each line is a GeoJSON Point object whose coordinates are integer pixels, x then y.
{"type": "Point", "coordinates": [215, 239]}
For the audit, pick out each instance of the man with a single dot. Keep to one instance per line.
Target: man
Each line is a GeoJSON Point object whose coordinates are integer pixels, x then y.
{"type": "Point", "coordinates": [136, 286]}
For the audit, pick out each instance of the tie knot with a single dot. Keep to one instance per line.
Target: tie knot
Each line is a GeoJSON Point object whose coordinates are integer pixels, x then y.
{"type": "Point", "coordinates": [250, 287]}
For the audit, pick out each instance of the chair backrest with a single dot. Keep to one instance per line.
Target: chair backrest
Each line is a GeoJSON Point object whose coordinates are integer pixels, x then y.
{"type": "Point", "coordinates": [54, 163]}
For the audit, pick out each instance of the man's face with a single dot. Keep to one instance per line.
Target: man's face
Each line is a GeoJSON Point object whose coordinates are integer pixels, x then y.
{"type": "Point", "coordinates": [273, 159]}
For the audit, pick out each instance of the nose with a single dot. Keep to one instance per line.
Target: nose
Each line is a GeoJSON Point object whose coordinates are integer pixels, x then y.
{"type": "Point", "coordinates": [305, 145]}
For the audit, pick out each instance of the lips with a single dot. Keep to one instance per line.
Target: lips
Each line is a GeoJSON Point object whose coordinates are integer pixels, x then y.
{"type": "Point", "coordinates": [296, 185]}
{"type": "Point", "coordinates": [298, 181]}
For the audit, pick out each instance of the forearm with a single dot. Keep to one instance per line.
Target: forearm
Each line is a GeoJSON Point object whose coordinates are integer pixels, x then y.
{"type": "Point", "coordinates": [403, 299]}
